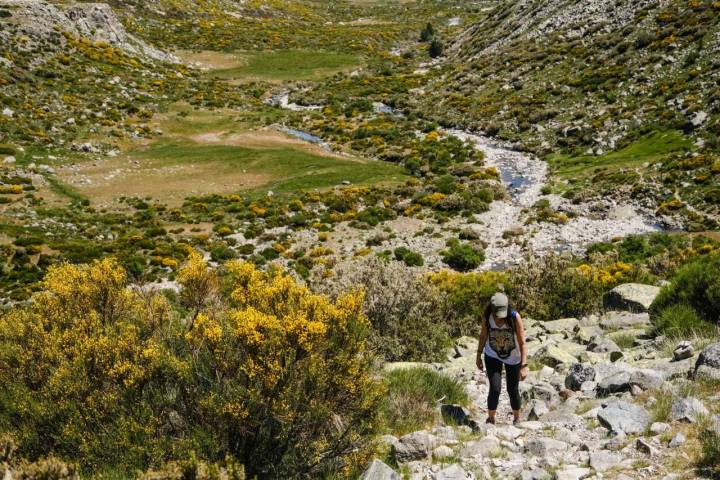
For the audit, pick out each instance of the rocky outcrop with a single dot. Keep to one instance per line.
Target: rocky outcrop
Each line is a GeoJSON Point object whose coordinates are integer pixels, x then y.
{"type": "Point", "coordinates": [633, 297]}
{"type": "Point", "coordinates": [43, 23]}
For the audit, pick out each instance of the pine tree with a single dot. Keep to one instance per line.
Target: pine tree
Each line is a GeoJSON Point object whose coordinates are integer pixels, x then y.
{"type": "Point", "coordinates": [427, 33]}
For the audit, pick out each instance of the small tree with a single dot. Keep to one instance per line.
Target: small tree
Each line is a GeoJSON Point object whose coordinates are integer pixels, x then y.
{"type": "Point", "coordinates": [436, 48]}
{"type": "Point", "coordinates": [427, 33]}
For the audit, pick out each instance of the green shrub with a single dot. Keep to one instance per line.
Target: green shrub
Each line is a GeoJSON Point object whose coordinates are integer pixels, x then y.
{"type": "Point", "coordinates": [414, 397]}
{"type": "Point", "coordinates": [462, 257]}
{"type": "Point", "coordinates": [680, 321]}
{"type": "Point", "coordinates": [407, 256]}
{"type": "Point", "coordinates": [551, 287]}
{"type": "Point", "coordinates": [710, 452]}
{"type": "Point", "coordinates": [695, 285]}
{"type": "Point", "coordinates": [408, 316]}
{"type": "Point", "coordinates": [436, 48]}
{"type": "Point", "coordinates": [265, 372]}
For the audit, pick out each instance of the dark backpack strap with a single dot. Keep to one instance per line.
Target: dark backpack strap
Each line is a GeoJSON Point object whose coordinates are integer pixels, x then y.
{"type": "Point", "coordinates": [513, 320]}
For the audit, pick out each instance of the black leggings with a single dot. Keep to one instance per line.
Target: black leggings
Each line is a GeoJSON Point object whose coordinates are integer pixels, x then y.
{"type": "Point", "coordinates": [493, 368]}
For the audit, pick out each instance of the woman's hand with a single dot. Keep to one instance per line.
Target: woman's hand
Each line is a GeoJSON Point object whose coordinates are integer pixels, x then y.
{"type": "Point", "coordinates": [479, 363]}
{"type": "Point", "coordinates": [523, 373]}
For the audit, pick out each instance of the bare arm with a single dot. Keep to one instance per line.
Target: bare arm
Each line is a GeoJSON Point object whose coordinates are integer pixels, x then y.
{"type": "Point", "coordinates": [481, 345]}
{"type": "Point", "coordinates": [520, 332]}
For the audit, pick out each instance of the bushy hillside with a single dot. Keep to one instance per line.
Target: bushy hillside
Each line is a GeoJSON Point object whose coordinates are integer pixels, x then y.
{"type": "Point", "coordinates": [588, 78]}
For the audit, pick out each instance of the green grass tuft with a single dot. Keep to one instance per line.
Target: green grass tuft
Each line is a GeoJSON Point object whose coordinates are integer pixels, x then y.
{"type": "Point", "coordinates": [414, 397]}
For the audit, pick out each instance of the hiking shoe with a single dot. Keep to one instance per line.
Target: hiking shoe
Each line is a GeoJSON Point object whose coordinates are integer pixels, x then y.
{"type": "Point", "coordinates": [490, 420]}
{"type": "Point", "coordinates": [516, 421]}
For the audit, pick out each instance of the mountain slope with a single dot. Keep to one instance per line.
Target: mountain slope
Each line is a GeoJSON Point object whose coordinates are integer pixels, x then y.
{"type": "Point", "coordinates": [582, 79]}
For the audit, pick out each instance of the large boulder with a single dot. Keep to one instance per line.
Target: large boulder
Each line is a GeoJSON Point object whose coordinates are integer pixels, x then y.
{"type": "Point", "coordinates": [414, 446]}
{"type": "Point", "coordinates": [579, 373]}
{"type": "Point", "coordinates": [710, 357]}
{"type": "Point", "coordinates": [553, 356]}
{"type": "Point", "coordinates": [688, 409]}
{"type": "Point", "coordinates": [622, 417]}
{"type": "Point", "coordinates": [624, 380]}
{"type": "Point", "coordinates": [618, 382]}
{"type": "Point", "coordinates": [631, 297]}
{"type": "Point", "coordinates": [378, 470]}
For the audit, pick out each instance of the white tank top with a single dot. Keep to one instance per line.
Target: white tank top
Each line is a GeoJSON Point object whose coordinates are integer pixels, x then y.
{"type": "Point", "coordinates": [501, 343]}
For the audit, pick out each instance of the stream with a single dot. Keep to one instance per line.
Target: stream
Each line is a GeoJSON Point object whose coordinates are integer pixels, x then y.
{"type": "Point", "coordinates": [524, 176]}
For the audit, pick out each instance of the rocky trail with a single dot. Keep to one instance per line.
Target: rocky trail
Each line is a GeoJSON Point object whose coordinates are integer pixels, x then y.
{"type": "Point", "coordinates": [591, 409]}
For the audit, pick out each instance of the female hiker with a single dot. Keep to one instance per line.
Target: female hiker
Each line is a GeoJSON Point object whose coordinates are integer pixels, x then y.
{"type": "Point", "coordinates": [502, 340]}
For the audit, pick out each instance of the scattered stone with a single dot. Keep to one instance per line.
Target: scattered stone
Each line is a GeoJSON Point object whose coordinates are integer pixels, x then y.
{"type": "Point", "coordinates": [565, 326]}
{"type": "Point", "coordinates": [624, 320]}
{"type": "Point", "coordinates": [683, 350]}
{"type": "Point", "coordinates": [572, 473]}
{"type": "Point", "coordinates": [378, 470]}
{"type": "Point", "coordinates": [688, 409]}
{"type": "Point", "coordinates": [624, 380]}
{"type": "Point", "coordinates": [466, 346]}
{"type": "Point", "coordinates": [579, 374]}
{"type": "Point", "coordinates": [543, 446]}
{"type": "Point", "coordinates": [645, 447]}
{"type": "Point", "coordinates": [553, 356]}
{"type": "Point", "coordinates": [441, 452]}
{"type": "Point", "coordinates": [536, 409]}
{"type": "Point", "coordinates": [453, 472]}
{"type": "Point", "coordinates": [602, 461]}
{"type": "Point", "coordinates": [619, 382]}
{"type": "Point", "coordinates": [632, 297]}
{"type": "Point", "coordinates": [646, 378]}
{"type": "Point", "coordinates": [602, 345]}
{"type": "Point", "coordinates": [535, 474]}
{"type": "Point", "coordinates": [8, 112]}
{"type": "Point", "coordinates": [508, 432]}
{"type": "Point", "coordinates": [616, 443]}
{"type": "Point", "coordinates": [480, 447]}
{"type": "Point", "coordinates": [659, 427]}
{"type": "Point", "coordinates": [623, 417]}
{"type": "Point", "coordinates": [9, 159]}
{"type": "Point", "coordinates": [677, 440]}
{"type": "Point", "coordinates": [414, 446]}
{"type": "Point", "coordinates": [586, 333]}
{"type": "Point", "coordinates": [545, 392]}
{"type": "Point", "coordinates": [588, 387]}
{"type": "Point", "coordinates": [698, 118]}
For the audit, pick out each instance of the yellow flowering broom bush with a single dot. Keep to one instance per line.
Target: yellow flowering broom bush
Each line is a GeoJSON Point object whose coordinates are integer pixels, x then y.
{"type": "Point", "coordinates": [268, 373]}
